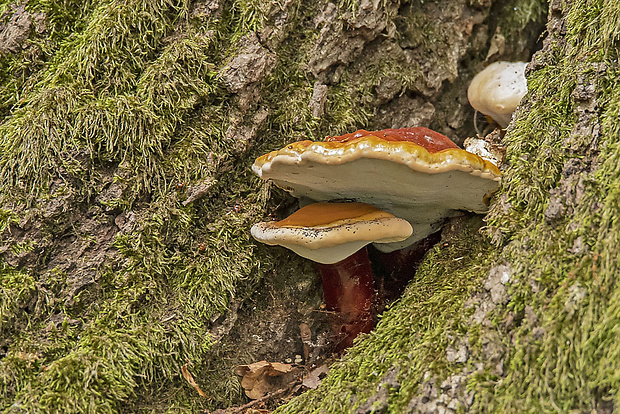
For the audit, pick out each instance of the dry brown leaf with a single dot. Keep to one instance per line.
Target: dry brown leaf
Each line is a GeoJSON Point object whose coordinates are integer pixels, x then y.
{"type": "Point", "coordinates": [188, 376]}
{"type": "Point", "coordinates": [280, 368]}
{"type": "Point", "coordinates": [261, 378]}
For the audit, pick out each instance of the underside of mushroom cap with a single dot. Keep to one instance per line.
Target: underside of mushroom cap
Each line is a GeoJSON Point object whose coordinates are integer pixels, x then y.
{"type": "Point", "coordinates": [400, 177]}
{"type": "Point", "coordinates": [330, 232]}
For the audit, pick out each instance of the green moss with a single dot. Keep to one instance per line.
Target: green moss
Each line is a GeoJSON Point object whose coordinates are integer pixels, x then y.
{"type": "Point", "coordinates": [20, 70]}
{"type": "Point", "coordinates": [573, 365]}
{"type": "Point", "coordinates": [416, 30]}
{"type": "Point", "coordinates": [149, 320]}
{"type": "Point", "coordinates": [7, 219]}
{"type": "Point", "coordinates": [344, 111]}
{"type": "Point", "coordinates": [516, 15]}
{"type": "Point", "coordinates": [15, 290]}
{"type": "Point", "coordinates": [107, 57]}
{"type": "Point", "coordinates": [250, 15]}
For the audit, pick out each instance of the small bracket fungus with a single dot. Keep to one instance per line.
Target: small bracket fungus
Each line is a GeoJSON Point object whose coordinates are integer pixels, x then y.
{"type": "Point", "coordinates": [414, 173]}
{"type": "Point", "coordinates": [498, 89]}
{"type": "Point", "coordinates": [330, 232]}
{"type": "Point", "coordinates": [334, 235]}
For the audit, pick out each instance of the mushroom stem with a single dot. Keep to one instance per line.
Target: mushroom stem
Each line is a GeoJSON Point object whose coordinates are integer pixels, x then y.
{"type": "Point", "coordinates": [335, 235]}
{"type": "Point", "coordinates": [349, 292]}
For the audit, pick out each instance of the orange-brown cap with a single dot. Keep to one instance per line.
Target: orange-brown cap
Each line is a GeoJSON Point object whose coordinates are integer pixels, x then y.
{"type": "Point", "coordinates": [330, 232]}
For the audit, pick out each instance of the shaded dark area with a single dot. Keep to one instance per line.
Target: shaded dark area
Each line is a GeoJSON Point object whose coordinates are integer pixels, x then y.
{"type": "Point", "coordinates": [396, 269]}
{"type": "Point", "coordinates": [349, 292]}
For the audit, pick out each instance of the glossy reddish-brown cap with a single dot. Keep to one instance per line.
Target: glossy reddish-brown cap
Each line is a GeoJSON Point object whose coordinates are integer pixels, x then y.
{"type": "Point", "coordinates": [430, 140]}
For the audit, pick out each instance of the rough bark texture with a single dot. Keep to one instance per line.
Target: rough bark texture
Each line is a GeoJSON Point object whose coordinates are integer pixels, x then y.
{"type": "Point", "coordinates": [127, 132]}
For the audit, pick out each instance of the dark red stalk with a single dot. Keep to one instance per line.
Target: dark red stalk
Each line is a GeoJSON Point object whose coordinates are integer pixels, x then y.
{"type": "Point", "coordinates": [349, 292]}
{"type": "Point", "coordinates": [398, 268]}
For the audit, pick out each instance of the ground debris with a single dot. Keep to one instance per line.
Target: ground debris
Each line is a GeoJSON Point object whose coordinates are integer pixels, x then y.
{"type": "Point", "coordinates": [257, 406]}
{"type": "Point", "coordinates": [313, 378]}
{"type": "Point", "coordinates": [190, 378]}
{"type": "Point", "coordinates": [261, 378]}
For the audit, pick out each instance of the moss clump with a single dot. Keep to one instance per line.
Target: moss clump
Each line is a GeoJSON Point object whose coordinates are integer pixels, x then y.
{"type": "Point", "coordinates": [15, 290]}
{"type": "Point", "coordinates": [51, 23]}
{"type": "Point", "coordinates": [148, 320]}
{"type": "Point", "coordinates": [566, 262]}
{"type": "Point", "coordinates": [90, 70]}
{"type": "Point", "coordinates": [516, 16]}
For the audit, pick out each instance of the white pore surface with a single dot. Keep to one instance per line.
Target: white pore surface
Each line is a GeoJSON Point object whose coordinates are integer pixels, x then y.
{"type": "Point", "coordinates": [423, 199]}
{"type": "Point", "coordinates": [327, 255]}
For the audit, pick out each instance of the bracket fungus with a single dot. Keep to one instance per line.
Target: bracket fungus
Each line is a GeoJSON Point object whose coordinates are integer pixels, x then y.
{"type": "Point", "coordinates": [414, 173]}
{"type": "Point", "coordinates": [330, 232]}
{"type": "Point", "coordinates": [498, 89]}
{"type": "Point", "coordinates": [335, 235]}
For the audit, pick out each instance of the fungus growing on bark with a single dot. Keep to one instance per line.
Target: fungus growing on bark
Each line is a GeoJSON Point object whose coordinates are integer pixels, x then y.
{"type": "Point", "coordinates": [485, 149]}
{"type": "Point", "coordinates": [414, 173]}
{"type": "Point", "coordinates": [334, 235]}
{"type": "Point", "coordinates": [498, 89]}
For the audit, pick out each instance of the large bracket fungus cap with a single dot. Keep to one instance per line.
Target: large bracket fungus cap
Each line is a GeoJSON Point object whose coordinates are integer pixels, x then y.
{"type": "Point", "coordinates": [498, 89]}
{"type": "Point", "coordinates": [423, 186]}
{"type": "Point", "coordinates": [330, 232]}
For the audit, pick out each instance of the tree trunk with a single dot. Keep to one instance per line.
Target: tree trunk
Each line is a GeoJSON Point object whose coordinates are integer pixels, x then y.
{"type": "Point", "coordinates": [128, 131]}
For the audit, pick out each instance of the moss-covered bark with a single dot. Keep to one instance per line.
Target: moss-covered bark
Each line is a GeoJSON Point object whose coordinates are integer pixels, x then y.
{"type": "Point", "coordinates": [128, 129]}
{"type": "Point", "coordinates": [535, 332]}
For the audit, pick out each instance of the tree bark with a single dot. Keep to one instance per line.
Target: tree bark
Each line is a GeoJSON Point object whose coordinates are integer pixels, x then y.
{"type": "Point", "coordinates": [127, 132]}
